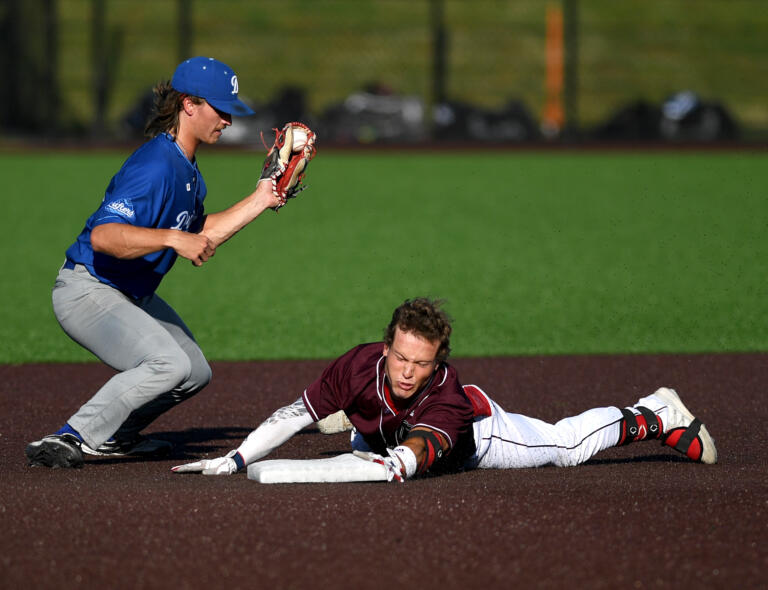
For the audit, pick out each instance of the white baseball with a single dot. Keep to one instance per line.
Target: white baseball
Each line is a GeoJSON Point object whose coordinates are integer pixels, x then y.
{"type": "Point", "coordinates": [299, 139]}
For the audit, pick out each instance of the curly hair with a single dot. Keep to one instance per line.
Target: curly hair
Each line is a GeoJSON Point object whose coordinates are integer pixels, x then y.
{"type": "Point", "coordinates": [423, 317]}
{"type": "Point", "coordinates": [165, 111]}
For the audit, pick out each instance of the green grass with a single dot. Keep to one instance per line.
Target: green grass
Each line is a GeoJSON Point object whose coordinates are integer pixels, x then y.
{"type": "Point", "coordinates": [496, 51]}
{"type": "Point", "coordinates": [535, 253]}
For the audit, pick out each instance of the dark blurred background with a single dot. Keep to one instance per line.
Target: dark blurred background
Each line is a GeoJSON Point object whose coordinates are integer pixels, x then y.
{"type": "Point", "coordinates": [399, 71]}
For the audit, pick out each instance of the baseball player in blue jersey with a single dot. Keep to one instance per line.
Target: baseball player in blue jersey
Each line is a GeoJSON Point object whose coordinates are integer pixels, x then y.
{"type": "Point", "coordinates": [104, 295]}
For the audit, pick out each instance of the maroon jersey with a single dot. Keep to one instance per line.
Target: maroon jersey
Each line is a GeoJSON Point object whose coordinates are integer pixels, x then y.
{"type": "Point", "coordinates": [355, 383]}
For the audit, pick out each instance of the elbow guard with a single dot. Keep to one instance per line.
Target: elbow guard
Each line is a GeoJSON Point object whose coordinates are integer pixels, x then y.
{"type": "Point", "coordinates": [432, 446]}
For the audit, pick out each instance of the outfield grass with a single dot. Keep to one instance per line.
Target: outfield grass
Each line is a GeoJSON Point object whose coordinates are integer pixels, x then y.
{"type": "Point", "coordinates": [535, 253]}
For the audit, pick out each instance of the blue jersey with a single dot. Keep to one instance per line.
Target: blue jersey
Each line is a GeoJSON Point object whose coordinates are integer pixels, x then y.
{"type": "Point", "coordinates": [156, 187]}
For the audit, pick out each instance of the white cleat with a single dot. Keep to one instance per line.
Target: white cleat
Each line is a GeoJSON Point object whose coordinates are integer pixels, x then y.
{"type": "Point", "coordinates": [683, 431]}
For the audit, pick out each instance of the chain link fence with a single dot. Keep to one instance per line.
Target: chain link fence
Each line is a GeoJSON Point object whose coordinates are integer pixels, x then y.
{"type": "Point", "coordinates": [366, 71]}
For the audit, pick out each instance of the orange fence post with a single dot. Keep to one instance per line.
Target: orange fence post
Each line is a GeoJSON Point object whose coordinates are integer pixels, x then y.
{"type": "Point", "coordinates": [553, 118]}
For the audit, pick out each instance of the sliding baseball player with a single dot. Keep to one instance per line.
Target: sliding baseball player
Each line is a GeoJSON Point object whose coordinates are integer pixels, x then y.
{"type": "Point", "coordinates": [409, 415]}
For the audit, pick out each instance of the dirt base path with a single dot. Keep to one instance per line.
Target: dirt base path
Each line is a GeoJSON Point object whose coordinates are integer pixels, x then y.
{"type": "Point", "coordinates": [635, 517]}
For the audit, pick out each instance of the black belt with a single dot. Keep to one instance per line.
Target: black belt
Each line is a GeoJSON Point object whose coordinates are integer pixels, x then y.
{"type": "Point", "coordinates": [68, 264]}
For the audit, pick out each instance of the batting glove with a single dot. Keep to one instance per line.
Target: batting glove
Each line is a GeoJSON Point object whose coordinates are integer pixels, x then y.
{"type": "Point", "coordinates": [225, 465]}
{"type": "Point", "coordinates": [391, 464]}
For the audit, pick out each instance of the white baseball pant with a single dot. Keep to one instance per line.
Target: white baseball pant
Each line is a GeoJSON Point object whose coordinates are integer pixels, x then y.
{"type": "Point", "coordinates": [507, 441]}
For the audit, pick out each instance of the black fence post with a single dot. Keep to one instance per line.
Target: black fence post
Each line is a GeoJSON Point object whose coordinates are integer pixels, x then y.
{"type": "Point", "coordinates": [98, 64]}
{"type": "Point", "coordinates": [185, 30]}
{"type": "Point", "coordinates": [571, 73]}
{"type": "Point", "coordinates": [106, 50]}
{"type": "Point", "coordinates": [50, 65]}
{"type": "Point", "coordinates": [439, 57]}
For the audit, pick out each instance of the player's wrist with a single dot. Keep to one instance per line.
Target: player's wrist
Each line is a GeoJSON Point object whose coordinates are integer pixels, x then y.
{"type": "Point", "coordinates": [263, 196]}
{"type": "Point", "coordinates": [169, 238]}
{"type": "Point", "coordinates": [407, 459]}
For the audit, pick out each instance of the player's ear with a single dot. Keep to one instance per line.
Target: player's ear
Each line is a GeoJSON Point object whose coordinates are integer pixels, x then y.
{"type": "Point", "coordinates": [385, 352]}
{"type": "Point", "coordinates": [187, 105]}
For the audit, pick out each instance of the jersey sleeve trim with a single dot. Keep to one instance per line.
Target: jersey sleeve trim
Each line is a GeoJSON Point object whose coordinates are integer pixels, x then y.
{"type": "Point", "coordinates": [309, 407]}
{"type": "Point", "coordinates": [445, 375]}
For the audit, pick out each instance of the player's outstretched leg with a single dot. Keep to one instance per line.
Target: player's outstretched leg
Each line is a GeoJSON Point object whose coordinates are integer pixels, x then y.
{"type": "Point", "coordinates": [662, 415]}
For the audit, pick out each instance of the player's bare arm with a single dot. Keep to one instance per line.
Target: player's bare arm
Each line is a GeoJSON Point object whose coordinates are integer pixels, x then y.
{"type": "Point", "coordinates": [272, 433]}
{"type": "Point", "coordinates": [281, 179]}
{"type": "Point", "coordinates": [220, 227]}
{"type": "Point", "coordinates": [125, 241]}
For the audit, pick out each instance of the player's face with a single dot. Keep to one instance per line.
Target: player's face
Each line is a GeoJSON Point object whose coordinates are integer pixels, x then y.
{"type": "Point", "coordinates": [210, 123]}
{"type": "Point", "coordinates": [410, 362]}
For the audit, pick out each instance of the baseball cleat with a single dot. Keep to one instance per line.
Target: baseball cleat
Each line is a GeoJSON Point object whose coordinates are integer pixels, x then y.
{"type": "Point", "coordinates": [684, 432]}
{"type": "Point", "coordinates": [55, 450]}
{"type": "Point", "coordinates": [136, 447]}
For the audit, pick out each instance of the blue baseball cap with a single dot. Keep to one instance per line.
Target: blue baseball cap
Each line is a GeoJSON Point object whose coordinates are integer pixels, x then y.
{"type": "Point", "coordinates": [212, 80]}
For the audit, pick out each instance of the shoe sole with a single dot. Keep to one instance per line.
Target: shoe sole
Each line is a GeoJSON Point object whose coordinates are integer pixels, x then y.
{"type": "Point", "coordinates": [54, 454]}
{"type": "Point", "coordinates": [144, 449]}
{"type": "Point", "coordinates": [708, 449]}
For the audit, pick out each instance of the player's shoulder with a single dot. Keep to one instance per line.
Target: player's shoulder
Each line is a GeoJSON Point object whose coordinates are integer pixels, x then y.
{"type": "Point", "coordinates": [447, 385]}
{"type": "Point", "coordinates": [364, 355]}
{"type": "Point", "coordinates": [153, 153]}
{"type": "Point", "coordinates": [359, 360]}
{"type": "Point", "coordinates": [355, 369]}
{"type": "Point", "coordinates": [447, 376]}
{"type": "Point", "coordinates": [368, 348]}
{"type": "Point", "coordinates": [154, 159]}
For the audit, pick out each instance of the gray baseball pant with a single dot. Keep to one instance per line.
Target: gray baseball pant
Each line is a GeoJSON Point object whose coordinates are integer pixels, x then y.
{"type": "Point", "coordinates": [159, 361]}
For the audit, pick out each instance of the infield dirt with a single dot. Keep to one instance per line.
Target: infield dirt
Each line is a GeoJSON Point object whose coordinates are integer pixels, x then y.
{"type": "Point", "coordinates": [639, 516]}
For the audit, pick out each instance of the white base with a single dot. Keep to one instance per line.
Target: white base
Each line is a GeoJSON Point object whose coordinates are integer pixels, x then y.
{"type": "Point", "coordinates": [342, 468]}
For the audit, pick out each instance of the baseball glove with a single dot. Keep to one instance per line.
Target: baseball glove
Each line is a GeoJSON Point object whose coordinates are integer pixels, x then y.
{"type": "Point", "coordinates": [287, 159]}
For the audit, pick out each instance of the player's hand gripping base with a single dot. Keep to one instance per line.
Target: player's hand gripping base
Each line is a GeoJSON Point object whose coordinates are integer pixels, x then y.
{"type": "Point", "coordinates": [220, 466]}
{"type": "Point", "coordinates": [391, 464]}
{"type": "Point", "coordinates": [287, 160]}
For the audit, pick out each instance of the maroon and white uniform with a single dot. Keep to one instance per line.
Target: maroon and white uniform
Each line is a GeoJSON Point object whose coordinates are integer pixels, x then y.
{"type": "Point", "coordinates": [480, 434]}
{"type": "Point", "coordinates": [355, 383]}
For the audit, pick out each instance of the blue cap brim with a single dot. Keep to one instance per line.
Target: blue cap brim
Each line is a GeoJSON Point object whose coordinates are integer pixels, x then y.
{"type": "Point", "coordinates": [234, 107]}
